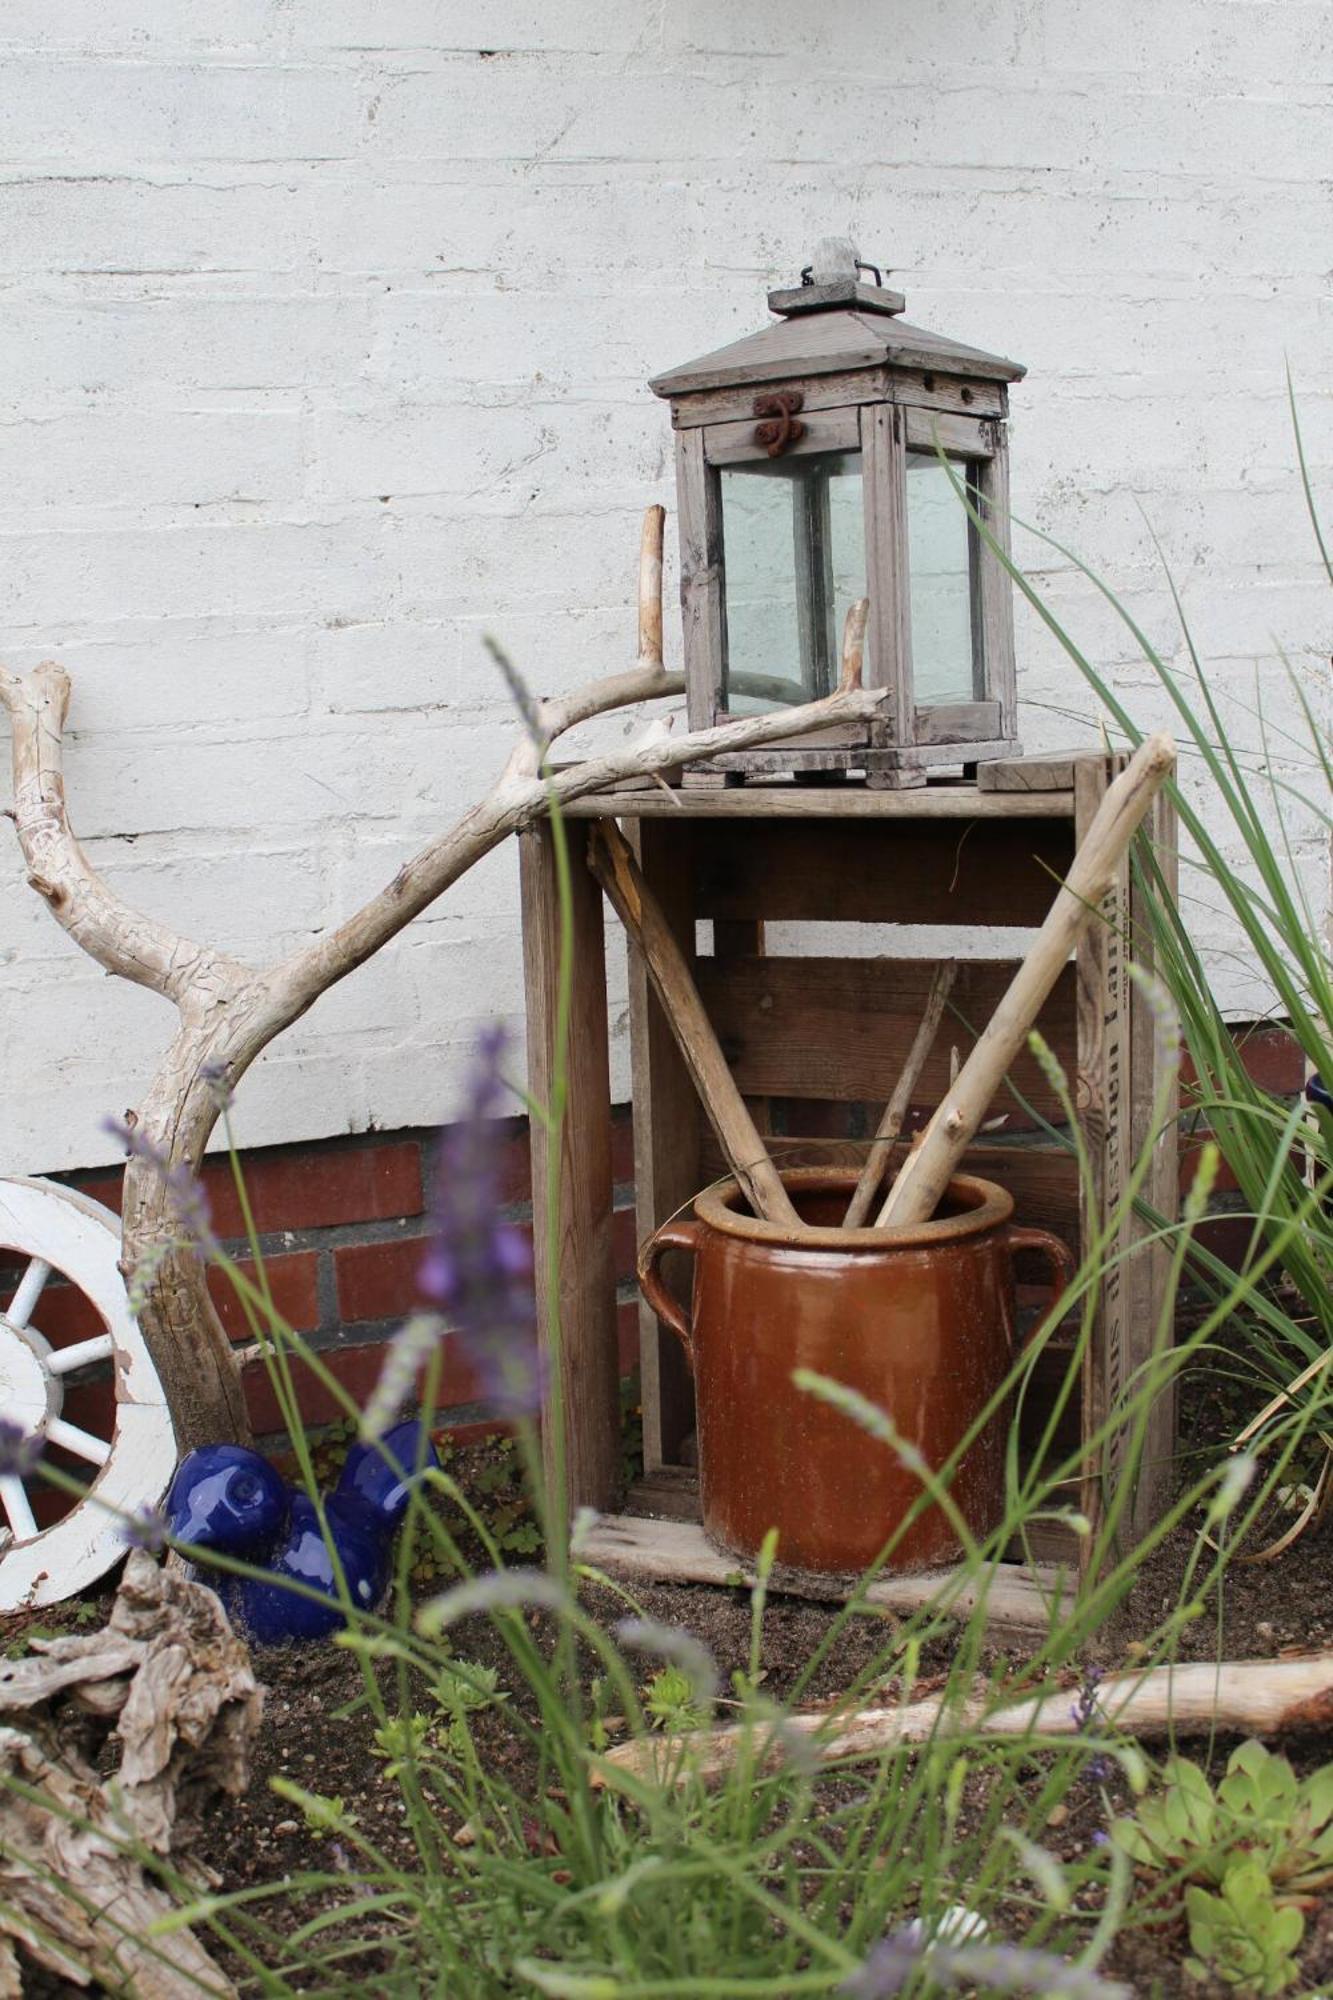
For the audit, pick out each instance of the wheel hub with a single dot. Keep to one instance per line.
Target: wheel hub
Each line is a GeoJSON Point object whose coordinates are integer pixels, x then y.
{"type": "Point", "coordinates": [30, 1395]}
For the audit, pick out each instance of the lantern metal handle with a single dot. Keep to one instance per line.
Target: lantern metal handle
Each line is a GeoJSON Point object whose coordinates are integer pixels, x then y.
{"type": "Point", "coordinates": [783, 427]}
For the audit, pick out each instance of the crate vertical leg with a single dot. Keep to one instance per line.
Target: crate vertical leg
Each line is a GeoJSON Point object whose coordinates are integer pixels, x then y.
{"type": "Point", "coordinates": [666, 1138]}
{"type": "Point", "coordinates": [1154, 1111]}
{"type": "Point", "coordinates": [1102, 1098]}
{"type": "Point", "coordinates": [576, 1313]}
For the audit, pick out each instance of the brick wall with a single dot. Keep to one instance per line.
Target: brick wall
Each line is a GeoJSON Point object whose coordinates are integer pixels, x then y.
{"type": "Point", "coordinates": [342, 1225]}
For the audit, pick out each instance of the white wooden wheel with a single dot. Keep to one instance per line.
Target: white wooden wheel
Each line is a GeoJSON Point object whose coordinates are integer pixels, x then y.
{"type": "Point", "coordinates": [44, 1230]}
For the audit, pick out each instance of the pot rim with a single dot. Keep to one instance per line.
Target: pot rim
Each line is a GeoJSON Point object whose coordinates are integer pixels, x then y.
{"type": "Point", "coordinates": [993, 1206]}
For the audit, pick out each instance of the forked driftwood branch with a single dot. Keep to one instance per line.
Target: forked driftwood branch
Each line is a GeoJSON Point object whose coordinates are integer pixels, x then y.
{"type": "Point", "coordinates": [171, 1679]}
{"type": "Point", "coordinates": [1257, 1697]}
{"type": "Point", "coordinates": [229, 1012]}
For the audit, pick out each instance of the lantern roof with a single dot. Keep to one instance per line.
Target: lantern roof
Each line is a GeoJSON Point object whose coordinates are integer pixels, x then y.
{"type": "Point", "coordinates": [829, 324]}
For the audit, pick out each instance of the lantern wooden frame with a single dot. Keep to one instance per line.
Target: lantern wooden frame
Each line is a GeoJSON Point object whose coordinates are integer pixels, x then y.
{"type": "Point", "coordinates": [860, 380]}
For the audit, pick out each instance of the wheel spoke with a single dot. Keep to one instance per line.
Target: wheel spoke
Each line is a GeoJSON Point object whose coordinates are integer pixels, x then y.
{"type": "Point", "coordinates": [62, 1360]}
{"type": "Point", "coordinates": [15, 1503]}
{"type": "Point", "coordinates": [82, 1443]}
{"type": "Point", "coordinates": [30, 1290]}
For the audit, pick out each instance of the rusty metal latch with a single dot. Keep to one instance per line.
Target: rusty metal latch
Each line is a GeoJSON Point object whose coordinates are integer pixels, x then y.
{"type": "Point", "coordinates": [783, 427]}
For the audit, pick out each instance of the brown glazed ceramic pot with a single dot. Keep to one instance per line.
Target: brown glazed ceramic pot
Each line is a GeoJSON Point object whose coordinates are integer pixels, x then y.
{"type": "Point", "coordinates": [920, 1320]}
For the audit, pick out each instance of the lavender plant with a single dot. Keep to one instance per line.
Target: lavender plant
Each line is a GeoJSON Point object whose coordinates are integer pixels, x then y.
{"type": "Point", "coordinates": [477, 1270]}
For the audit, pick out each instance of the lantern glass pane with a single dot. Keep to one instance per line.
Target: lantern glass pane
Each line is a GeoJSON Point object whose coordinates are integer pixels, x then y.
{"type": "Point", "coordinates": [945, 585]}
{"type": "Point", "coordinates": [794, 560]}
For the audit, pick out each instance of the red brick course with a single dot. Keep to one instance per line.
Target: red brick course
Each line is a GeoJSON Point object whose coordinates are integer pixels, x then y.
{"type": "Point", "coordinates": [357, 1369]}
{"type": "Point", "coordinates": [293, 1282]}
{"type": "Point", "coordinates": [378, 1280]}
{"type": "Point", "coordinates": [326, 1211]}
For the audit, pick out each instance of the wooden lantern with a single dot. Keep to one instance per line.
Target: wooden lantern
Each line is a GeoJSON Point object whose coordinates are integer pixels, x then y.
{"type": "Point", "coordinates": [825, 459]}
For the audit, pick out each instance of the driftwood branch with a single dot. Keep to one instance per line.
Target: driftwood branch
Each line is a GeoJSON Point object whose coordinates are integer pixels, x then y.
{"type": "Point", "coordinates": [900, 1103]}
{"type": "Point", "coordinates": [119, 937]}
{"type": "Point", "coordinates": [172, 1684]}
{"type": "Point", "coordinates": [612, 862]}
{"type": "Point", "coordinates": [230, 1012]}
{"type": "Point", "coordinates": [917, 1190]}
{"type": "Point", "coordinates": [1255, 1697]}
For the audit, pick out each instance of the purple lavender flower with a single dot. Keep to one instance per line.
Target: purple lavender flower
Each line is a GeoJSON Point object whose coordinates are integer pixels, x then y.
{"type": "Point", "coordinates": [478, 1269]}
{"type": "Point", "coordinates": [889, 1966]}
{"type": "Point", "coordinates": [147, 1530]}
{"type": "Point", "coordinates": [19, 1453]}
{"type": "Point", "coordinates": [519, 692]}
{"type": "Point", "coordinates": [189, 1203]}
{"type": "Point", "coordinates": [995, 1968]}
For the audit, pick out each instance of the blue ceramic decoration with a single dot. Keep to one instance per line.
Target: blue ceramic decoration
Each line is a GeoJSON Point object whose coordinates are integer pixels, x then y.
{"type": "Point", "coordinates": [1317, 1092]}
{"type": "Point", "coordinates": [225, 1497]}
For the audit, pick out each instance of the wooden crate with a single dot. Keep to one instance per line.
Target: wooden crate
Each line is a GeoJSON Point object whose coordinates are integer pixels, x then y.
{"type": "Point", "coordinates": [816, 1042]}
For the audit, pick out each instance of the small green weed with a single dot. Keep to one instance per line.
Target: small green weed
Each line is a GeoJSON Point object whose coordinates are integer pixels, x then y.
{"type": "Point", "coordinates": [671, 1700]}
{"type": "Point", "coordinates": [323, 1816]}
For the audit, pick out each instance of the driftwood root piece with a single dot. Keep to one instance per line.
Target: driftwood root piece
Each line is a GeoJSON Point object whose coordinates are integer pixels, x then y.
{"type": "Point", "coordinates": [1256, 1697]}
{"type": "Point", "coordinates": [176, 1682]}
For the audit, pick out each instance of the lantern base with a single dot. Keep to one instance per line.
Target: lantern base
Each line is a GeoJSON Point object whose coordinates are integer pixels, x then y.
{"type": "Point", "coordinates": [880, 769]}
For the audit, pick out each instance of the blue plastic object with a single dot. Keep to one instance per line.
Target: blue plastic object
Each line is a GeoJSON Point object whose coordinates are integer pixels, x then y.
{"type": "Point", "coordinates": [225, 1497]}
{"type": "Point", "coordinates": [1317, 1091]}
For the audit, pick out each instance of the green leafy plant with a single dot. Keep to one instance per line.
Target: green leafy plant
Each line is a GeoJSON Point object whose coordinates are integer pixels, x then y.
{"type": "Point", "coordinates": [1279, 1822]}
{"type": "Point", "coordinates": [671, 1699]}
{"type": "Point", "coordinates": [402, 1741]}
{"type": "Point", "coordinates": [465, 1688]}
{"type": "Point", "coordinates": [1244, 1935]}
{"type": "Point", "coordinates": [324, 1816]}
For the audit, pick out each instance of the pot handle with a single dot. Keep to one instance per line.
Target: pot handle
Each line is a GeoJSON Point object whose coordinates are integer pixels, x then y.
{"type": "Point", "coordinates": [679, 1234]}
{"type": "Point", "coordinates": [1059, 1257]}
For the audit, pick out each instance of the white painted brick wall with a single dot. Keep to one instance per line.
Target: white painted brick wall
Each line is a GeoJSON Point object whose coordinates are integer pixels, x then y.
{"type": "Point", "coordinates": [325, 326]}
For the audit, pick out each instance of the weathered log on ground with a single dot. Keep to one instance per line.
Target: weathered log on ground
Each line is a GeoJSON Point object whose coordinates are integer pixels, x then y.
{"type": "Point", "coordinates": [171, 1682]}
{"type": "Point", "coordinates": [1256, 1697]}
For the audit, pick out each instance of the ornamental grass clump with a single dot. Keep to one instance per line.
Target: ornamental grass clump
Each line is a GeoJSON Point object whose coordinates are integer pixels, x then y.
{"type": "Point", "coordinates": [1242, 856]}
